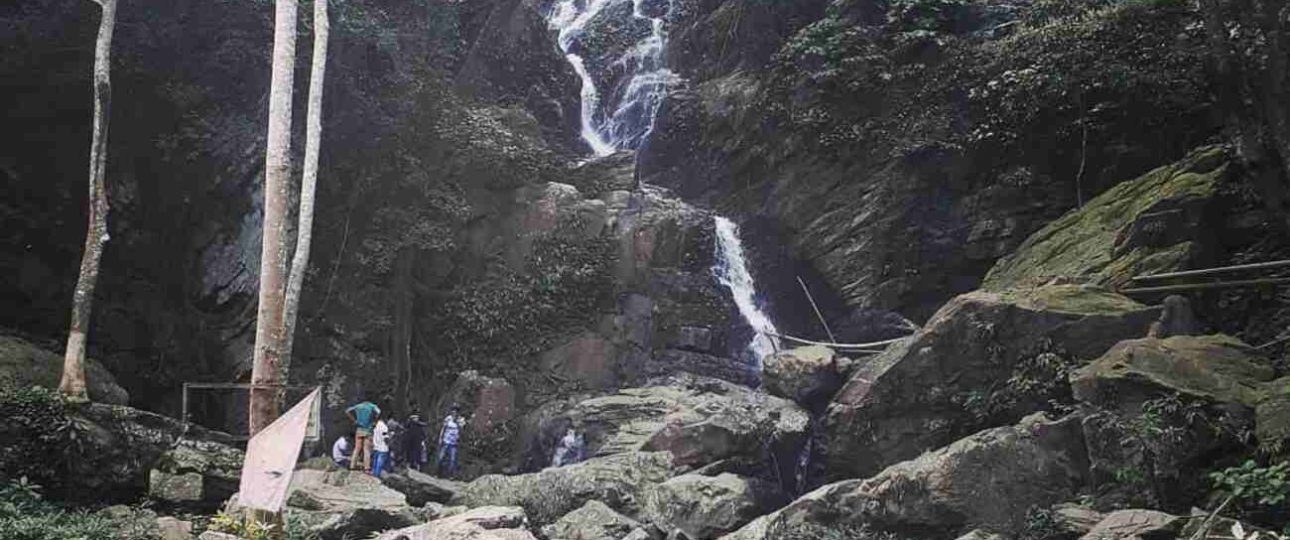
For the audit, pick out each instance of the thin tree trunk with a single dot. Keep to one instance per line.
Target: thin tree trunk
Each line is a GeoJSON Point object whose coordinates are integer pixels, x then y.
{"type": "Point", "coordinates": [73, 383]}
{"type": "Point", "coordinates": [401, 337]}
{"type": "Point", "coordinates": [308, 184]}
{"type": "Point", "coordinates": [273, 256]}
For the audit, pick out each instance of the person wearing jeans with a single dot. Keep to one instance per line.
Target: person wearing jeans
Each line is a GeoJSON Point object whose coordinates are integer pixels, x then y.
{"type": "Point", "coordinates": [381, 444]}
{"type": "Point", "coordinates": [449, 435]}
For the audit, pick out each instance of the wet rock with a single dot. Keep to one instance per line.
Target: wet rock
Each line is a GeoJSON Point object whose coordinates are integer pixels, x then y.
{"type": "Point", "coordinates": [589, 359]}
{"type": "Point", "coordinates": [1176, 319]}
{"type": "Point", "coordinates": [345, 504]}
{"type": "Point", "coordinates": [24, 364]}
{"type": "Point", "coordinates": [1075, 519]}
{"type": "Point", "coordinates": [421, 488]}
{"type": "Point", "coordinates": [698, 420]}
{"type": "Point", "coordinates": [986, 481]}
{"type": "Point", "coordinates": [169, 528]}
{"type": "Point", "coordinates": [804, 375]}
{"type": "Point", "coordinates": [1135, 525]}
{"type": "Point", "coordinates": [485, 523]}
{"type": "Point", "coordinates": [924, 392]}
{"type": "Point", "coordinates": [199, 474]}
{"type": "Point", "coordinates": [709, 506]}
{"type": "Point", "coordinates": [619, 481]}
{"type": "Point", "coordinates": [594, 521]}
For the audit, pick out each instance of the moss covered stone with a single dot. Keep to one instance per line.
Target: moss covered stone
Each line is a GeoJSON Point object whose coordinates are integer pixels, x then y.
{"type": "Point", "coordinates": [24, 364]}
{"type": "Point", "coordinates": [1215, 368]}
{"type": "Point", "coordinates": [1146, 225]}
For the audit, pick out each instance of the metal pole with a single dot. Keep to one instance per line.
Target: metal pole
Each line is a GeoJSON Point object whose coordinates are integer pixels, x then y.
{"type": "Point", "coordinates": [184, 407]}
{"type": "Point", "coordinates": [1211, 271]}
{"type": "Point", "coordinates": [1213, 285]}
{"type": "Point", "coordinates": [816, 308]}
{"type": "Point", "coordinates": [873, 345]}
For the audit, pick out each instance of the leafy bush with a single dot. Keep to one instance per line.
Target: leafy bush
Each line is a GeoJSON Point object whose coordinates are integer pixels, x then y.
{"type": "Point", "coordinates": [1251, 485]}
{"type": "Point", "coordinates": [816, 531]}
{"type": "Point", "coordinates": [1043, 523]}
{"type": "Point", "coordinates": [40, 436]}
{"type": "Point", "coordinates": [26, 515]}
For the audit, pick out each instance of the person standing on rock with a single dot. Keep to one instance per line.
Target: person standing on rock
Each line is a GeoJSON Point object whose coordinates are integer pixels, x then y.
{"type": "Point", "coordinates": [364, 416]}
{"type": "Point", "coordinates": [381, 445]}
{"type": "Point", "coordinates": [449, 435]}
{"type": "Point", "coordinates": [414, 441]}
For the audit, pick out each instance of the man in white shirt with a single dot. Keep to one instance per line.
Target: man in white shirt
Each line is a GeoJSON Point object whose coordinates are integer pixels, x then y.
{"type": "Point", "coordinates": [449, 435]}
{"type": "Point", "coordinates": [380, 448]}
{"type": "Point", "coordinates": [340, 452]}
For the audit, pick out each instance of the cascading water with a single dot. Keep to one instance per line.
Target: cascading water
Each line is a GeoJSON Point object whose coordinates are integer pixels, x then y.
{"type": "Point", "coordinates": [732, 271]}
{"type": "Point", "coordinates": [623, 119]}
{"type": "Point", "coordinates": [635, 106]}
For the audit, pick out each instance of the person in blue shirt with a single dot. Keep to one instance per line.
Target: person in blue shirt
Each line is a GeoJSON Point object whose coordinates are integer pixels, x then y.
{"type": "Point", "coordinates": [449, 435]}
{"type": "Point", "coordinates": [364, 416]}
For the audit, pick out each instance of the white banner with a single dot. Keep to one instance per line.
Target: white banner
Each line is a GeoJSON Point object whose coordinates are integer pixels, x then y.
{"type": "Point", "coordinates": [271, 458]}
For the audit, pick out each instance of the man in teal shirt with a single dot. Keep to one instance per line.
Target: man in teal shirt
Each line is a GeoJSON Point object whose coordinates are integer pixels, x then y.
{"type": "Point", "coordinates": [364, 416]}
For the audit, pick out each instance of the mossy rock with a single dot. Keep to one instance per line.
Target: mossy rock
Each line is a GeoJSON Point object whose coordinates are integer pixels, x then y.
{"type": "Point", "coordinates": [1072, 300]}
{"type": "Point", "coordinates": [1146, 225]}
{"type": "Point", "coordinates": [1215, 368]}
{"type": "Point", "coordinates": [24, 364]}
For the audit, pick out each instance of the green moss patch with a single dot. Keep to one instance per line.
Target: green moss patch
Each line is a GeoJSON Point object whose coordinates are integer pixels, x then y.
{"type": "Point", "coordinates": [1082, 244]}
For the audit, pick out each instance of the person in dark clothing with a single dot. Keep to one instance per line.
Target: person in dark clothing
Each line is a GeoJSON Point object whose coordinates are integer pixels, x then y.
{"type": "Point", "coordinates": [414, 441]}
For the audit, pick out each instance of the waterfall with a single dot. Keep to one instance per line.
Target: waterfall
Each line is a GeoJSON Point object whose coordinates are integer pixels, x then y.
{"type": "Point", "coordinates": [632, 120]}
{"type": "Point", "coordinates": [732, 271]}
{"type": "Point", "coordinates": [633, 113]}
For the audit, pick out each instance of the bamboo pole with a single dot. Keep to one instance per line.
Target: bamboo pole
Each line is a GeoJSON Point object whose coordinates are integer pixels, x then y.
{"type": "Point", "coordinates": [839, 346]}
{"type": "Point", "coordinates": [816, 308]}
{"type": "Point", "coordinates": [1210, 285]}
{"type": "Point", "coordinates": [1212, 271]}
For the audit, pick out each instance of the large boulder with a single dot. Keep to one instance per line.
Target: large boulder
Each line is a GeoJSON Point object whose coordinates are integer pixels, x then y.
{"type": "Point", "coordinates": [594, 521]}
{"type": "Point", "coordinates": [804, 374]}
{"type": "Point", "coordinates": [1136, 525]}
{"type": "Point", "coordinates": [1198, 395]}
{"type": "Point", "coordinates": [988, 481]}
{"type": "Point", "coordinates": [421, 488]}
{"type": "Point", "coordinates": [23, 364]}
{"type": "Point", "coordinates": [346, 504]}
{"type": "Point", "coordinates": [200, 474]}
{"type": "Point", "coordinates": [485, 523]}
{"type": "Point", "coordinates": [698, 420]}
{"type": "Point", "coordinates": [105, 453]}
{"type": "Point", "coordinates": [952, 377]}
{"type": "Point", "coordinates": [620, 481]}
{"type": "Point", "coordinates": [1154, 223]}
{"type": "Point", "coordinates": [709, 506]}
{"type": "Point", "coordinates": [1216, 368]}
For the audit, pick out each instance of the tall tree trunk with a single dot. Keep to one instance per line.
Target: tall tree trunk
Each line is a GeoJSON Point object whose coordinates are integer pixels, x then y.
{"type": "Point", "coordinates": [273, 251]}
{"type": "Point", "coordinates": [401, 336]}
{"type": "Point", "coordinates": [73, 382]}
{"type": "Point", "coordinates": [308, 184]}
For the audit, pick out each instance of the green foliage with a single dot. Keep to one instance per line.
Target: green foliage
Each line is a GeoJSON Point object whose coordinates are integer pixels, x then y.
{"type": "Point", "coordinates": [42, 437]}
{"type": "Point", "coordinates": [1037, 382]}
{"type": "Point", "coordinates": [564, 285]}
{"type": "Point", "coordinates": [26, 515]}
{"type": "Point", "coordinates": [1252, 485]}
{"type": "Point", "coordinates": [1043, 523]}
{"type": "Point", "coordinates": [924, 16]}
{"type": "Point", "coordinates": [242, 526]}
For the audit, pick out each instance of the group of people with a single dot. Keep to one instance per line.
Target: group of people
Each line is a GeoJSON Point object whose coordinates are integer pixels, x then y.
{"type": "Point", "coordinates": [378, 446]}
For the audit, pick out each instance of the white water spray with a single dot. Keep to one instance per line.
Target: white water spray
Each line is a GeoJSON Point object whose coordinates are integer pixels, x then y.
{"type": "Point", "coordinates": [633, 113]}
{"type": "Point", "coordinates": [732, 271]}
